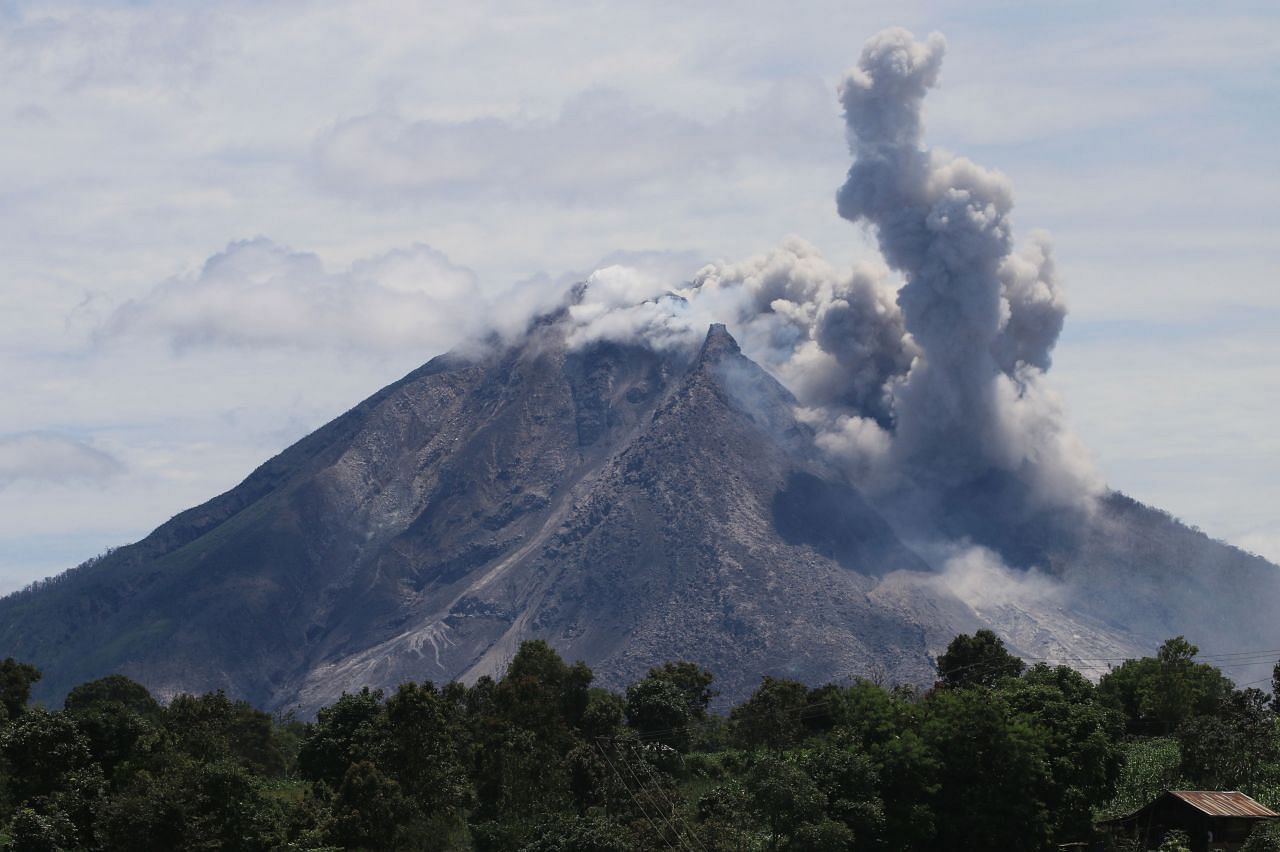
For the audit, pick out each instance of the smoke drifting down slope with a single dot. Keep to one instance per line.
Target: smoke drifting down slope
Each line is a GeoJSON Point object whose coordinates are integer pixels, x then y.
{"type": "Point", "coordinates": [928, 388]}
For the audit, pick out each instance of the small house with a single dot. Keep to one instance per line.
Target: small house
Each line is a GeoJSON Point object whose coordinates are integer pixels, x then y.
{"type": "Point", "coordinates": [1213, 820]}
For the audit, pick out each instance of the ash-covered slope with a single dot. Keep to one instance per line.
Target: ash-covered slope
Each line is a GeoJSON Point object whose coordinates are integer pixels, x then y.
{"type": "Point", "coordinates": [703, 531]}
{"type": "Point", "coordinates": [629, 505]}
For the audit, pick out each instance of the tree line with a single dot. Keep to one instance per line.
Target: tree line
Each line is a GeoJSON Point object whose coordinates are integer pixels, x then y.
{"type": "Point", "coordinates": [995, 756]}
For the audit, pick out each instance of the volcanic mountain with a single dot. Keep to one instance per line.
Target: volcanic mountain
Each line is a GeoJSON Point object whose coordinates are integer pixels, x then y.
{"type": "Point", "coordinates": [628, 504]}
{"type": "Point", "coordinates": [632, 487]}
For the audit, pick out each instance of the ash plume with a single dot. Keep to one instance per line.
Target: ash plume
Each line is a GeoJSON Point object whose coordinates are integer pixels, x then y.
{"type": "Point", "coordinates": [985, 316]}
{"type": "Point", "coordinates": [835, 338]}
{"type": "Point", "coordinates": [930, 387]}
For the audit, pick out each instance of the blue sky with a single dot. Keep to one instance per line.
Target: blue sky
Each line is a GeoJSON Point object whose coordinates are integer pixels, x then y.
{"type": "Point", "coordinates": [224, 223]}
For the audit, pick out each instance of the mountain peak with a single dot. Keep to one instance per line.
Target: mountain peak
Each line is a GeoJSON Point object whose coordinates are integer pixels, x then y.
{"type": "Point", "coordinates": [718, 345]}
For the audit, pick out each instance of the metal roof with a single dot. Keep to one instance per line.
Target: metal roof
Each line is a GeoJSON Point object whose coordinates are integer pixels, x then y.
{"type": "Point", "coordinates": [1223, 804]}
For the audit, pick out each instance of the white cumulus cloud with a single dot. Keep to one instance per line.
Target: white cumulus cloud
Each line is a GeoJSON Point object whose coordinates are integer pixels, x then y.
{"type": "Point", "coordinates": [258, 293]}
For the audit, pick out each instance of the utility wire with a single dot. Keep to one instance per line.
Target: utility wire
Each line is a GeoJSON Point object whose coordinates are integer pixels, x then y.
{"type": "Point", "coordinates": [639, 806]}
{"type": "Point", "coordinates": [657, 786]}
{"type": "Point", "coordinates": [640, 785]}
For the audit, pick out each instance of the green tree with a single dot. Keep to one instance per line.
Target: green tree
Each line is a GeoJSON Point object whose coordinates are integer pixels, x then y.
{"type": "Point", "coordinates": [351, 730]}
{"type": "Point", "coordinates": [578, 833]}
{"type": "Point", "coordinates": [886, 726]}
{"type": "Point", "coordinates": [44, 751]}
{"type": "Point", "coordinates": [693, 681]}
{"type": "Point", "coordinates": [118, 716]}
{"type": "Point", "coordinates": [993, 776]}
{"type": "Point", "coordinates": [16, 680]}
{"type": "Point", "coordinates": [183, 803]}
{"type": "Point", "coordinates": [51, 771]}
{"type": "Point", "coordinates": [822, 708]}
{"type": "Point", "coordinates": [427, 750]}
{"type": "Point", "coordinates": [46, 830]}
{"type": "Point", "coordinates": [1275, 688]}
{"type": "Point", "coordinates": [977, 660]}
{"type": "Point", "coordinates": [825, 835]}
{"type": "Point", "coordinates": [1080, 737]}
{"type": "Point", "coordinates": [212, 727]}
{"type": "Point", "coordinates": [909, 772]}
{"type": "Point", "coordinates": [1148, 767]}
{"type": "Point", "coordinates": [1157, 694]}
{"type": "Point", "coordinates": [783, 798]}
{"type": "Point", "coordinates": [849, 781]}
{"type": "Point", "coordinates": [114, 689]}
{"type": "Point", "coordinates": [772, 716]}
{"type": "Point", "coordinates": [1234, 749]}
{"type": "Point", "coordinates": [526, 724]}
{"type": "Point", "coordinates": [1265, 837]}
{"type": "Point", "coordinates": [658, 710]}
{"type": "Point", "coordinates": [725, 820]}
{"type": "Point", "coordinates": [540, 692]}
{"type": "Point", "coordinates": [604, 714]}
{"type": "Point", "coordinates": [368, 810]}
{"type": "Point", "coordinates": [589, 774]}
{"type": "Point", "coordinates": [1181, 687]}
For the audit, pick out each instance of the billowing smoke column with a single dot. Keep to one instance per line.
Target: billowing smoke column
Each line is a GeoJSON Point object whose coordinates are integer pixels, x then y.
{"type": "Point", "coordinates": [836, 339]}
{"type": "Point", "coordinates": [984, 317]}
{"type": "Point", "coordinates": [933, 388]}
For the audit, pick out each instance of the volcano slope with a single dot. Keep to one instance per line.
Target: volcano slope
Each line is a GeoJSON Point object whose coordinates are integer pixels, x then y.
{"type": "Point", "coordinates": [628, 505]}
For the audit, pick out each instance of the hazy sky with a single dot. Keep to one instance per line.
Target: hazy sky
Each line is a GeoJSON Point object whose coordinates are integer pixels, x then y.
{"type": "Point", "coordinates": [222, 224]}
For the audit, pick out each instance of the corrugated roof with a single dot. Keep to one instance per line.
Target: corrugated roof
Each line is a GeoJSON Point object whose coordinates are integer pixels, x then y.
{"type": "Point", "coordinates": [1223, 804]}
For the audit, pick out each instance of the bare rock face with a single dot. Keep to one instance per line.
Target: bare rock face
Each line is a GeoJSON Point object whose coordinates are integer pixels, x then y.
{"type": "Point", "coordinates": [630, 506]}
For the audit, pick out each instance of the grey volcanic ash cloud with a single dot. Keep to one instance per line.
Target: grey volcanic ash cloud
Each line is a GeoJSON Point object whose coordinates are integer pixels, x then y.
{"type": "Point", "coordinates": [985, 318]}
{"type": "Point", "coordinates": [934, 385]}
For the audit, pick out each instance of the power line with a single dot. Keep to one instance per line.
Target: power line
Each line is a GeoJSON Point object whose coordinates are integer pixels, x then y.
{"type": "Point", "coordinates": [640, 784]}
{"type": "Point", "coordinates": [639, 806]}
{"type": "Point", "coordinates": [654, 778]}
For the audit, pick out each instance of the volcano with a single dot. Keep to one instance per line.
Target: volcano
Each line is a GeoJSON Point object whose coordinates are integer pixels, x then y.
{"type": "Point", "coordinates": [630, 506]}
{"type": "Point", "coordinates": [619, 478]}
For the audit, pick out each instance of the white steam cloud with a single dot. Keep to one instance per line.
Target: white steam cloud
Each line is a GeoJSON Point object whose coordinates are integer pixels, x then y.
{"type": "Point", "coordinates": [937, 384]}
{"type": "Point", "coordinates": [258, 293]}
{"type": "Point", "coordinates": [835, 338]}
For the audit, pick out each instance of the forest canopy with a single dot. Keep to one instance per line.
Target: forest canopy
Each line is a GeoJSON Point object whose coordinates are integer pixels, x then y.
{"type": "Point", "coordinates": [996, 755]}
